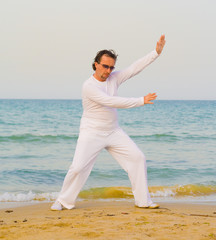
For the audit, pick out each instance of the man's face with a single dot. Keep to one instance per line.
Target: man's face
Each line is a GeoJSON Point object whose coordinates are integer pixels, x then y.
{"type": "Point", "coordinates": [104, 68]}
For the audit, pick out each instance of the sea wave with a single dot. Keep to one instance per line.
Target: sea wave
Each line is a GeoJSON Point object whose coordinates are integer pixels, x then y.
{"type": "Point", "coordinates": [27, 137]}
{"type": "Point", "coordinates": [168, 137]}
{"type": "Point", "coordinates": [27, 197]}
{"type": "Point", "coordinates": [172, 137]}
{"type": "Point", "coordinates": [155, 191]}
{"type": "Point", "coordinates": [176, 192]}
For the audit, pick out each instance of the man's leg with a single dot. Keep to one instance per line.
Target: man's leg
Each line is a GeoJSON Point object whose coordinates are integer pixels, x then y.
{"type": "Point", "coordinates": [87, 149]}
{"type": "Point", "coordinates": [132, 160]}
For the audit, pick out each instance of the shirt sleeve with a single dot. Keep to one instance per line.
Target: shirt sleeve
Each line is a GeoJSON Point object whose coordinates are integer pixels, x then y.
{"type": "Point", "coordinates": [135, 68]}
{"type": "Point", "coordinates": [97, 95]}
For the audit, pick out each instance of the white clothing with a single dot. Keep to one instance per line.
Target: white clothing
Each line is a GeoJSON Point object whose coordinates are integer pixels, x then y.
{"type": "Point", "coordinates": [99, 129]}
{"type": "Point", "coordinates": [122, 148]}
{"type": "Point", "coordinates": [100, 99]}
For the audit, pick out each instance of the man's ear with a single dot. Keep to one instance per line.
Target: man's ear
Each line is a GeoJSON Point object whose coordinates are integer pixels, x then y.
{"type": "Point", "coordinates": [96, 64]}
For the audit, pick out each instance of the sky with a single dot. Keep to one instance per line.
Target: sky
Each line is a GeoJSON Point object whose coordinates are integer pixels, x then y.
{"type": "Point", "coordinates": [47, 46]}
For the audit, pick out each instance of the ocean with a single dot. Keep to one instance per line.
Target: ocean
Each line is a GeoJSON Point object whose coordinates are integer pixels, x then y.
{"type": "Point", "coordinates": [38, 140]}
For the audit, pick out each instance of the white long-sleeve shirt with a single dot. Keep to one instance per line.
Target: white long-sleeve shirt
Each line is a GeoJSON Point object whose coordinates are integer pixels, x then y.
{"type": "Point", "coordinates": [100, 99]}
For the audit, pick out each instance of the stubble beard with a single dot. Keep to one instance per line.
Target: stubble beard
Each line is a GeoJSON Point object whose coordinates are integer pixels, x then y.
{"type": "Point", "coordinates": [104, 76]}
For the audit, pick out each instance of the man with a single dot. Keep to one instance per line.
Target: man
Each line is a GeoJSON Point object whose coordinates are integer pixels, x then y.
{"type": "Point", "coordinates": [99, 129]}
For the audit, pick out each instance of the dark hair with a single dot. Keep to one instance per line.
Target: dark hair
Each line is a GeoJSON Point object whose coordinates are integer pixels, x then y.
{"type": "Point", "coordinates": [109, 53]}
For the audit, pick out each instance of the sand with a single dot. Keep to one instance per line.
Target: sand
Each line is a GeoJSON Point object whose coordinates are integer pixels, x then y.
{"type": "Point", "coordinates": [109, 220]}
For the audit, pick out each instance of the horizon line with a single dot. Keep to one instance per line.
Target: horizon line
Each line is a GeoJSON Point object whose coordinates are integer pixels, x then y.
{"type": "Point", "coordinates": [81, 99]}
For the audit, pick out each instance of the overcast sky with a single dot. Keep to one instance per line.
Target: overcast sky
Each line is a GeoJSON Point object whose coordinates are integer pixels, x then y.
{"type": "Point", "coordinates": [47, 46]}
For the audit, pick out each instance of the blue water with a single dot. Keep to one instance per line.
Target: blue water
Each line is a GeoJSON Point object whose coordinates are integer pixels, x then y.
{"type": "Point", "coordinates": [38, 140]}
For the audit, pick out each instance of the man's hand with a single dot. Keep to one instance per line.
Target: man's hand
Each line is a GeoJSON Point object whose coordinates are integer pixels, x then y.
{"type": "Point", "coordinates": [160, 44]}
{"type": "Point", "coordinates": [148, 98]}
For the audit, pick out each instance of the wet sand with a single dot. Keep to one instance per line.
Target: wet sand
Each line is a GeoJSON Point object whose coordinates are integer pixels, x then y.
{"type": "Point", "coordinates": [109, 220]}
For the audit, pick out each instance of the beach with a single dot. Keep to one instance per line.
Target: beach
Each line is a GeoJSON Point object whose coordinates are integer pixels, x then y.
{"type": "Point", "coordinates": [110, 220]}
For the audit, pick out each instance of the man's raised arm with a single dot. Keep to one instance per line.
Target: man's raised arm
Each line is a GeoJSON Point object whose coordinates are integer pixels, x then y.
{"type": "Point", "coordinates": [140, 64]}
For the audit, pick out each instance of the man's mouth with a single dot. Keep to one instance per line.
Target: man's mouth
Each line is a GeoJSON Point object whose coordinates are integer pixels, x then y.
{"type": "Point", "coordinates": [105, 75]}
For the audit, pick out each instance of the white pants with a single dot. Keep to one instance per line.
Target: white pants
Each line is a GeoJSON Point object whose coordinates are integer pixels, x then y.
{"type": "Point", "coordinates": [122, 148]}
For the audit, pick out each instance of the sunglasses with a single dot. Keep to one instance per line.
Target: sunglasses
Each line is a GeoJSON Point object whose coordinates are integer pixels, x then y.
{"type": "Point", "coordinates": [107, 67]}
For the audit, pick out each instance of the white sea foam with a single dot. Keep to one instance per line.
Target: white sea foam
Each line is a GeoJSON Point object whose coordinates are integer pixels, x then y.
{"type": "Point", "coordinates": [166, 193]}
{"type": "Point", "coordinates": [27, 197]}
{"type": "Point", "coordinates": [31, 196]}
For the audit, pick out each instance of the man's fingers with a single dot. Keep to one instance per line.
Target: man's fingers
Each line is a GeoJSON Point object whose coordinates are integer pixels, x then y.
{"type": "Point", "coordinates": [162, 38]}
{"type": "Point", "coordinates": [148, 98]}
{"type": "Point", "coordinates": [152, 95]}
{"type": "Point", "coordinates": [160, 44]}
{"type": "Point", "coordinates": [151, 98]}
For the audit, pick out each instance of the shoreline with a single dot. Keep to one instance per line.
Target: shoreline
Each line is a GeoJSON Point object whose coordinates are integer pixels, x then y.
{"type": "Point", "coordinates": [191, 201]}
{"type": "Point", "coordinates": [109, 220]}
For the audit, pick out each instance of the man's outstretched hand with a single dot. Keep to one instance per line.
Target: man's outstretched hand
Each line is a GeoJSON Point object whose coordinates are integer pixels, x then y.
{"type": "Point", "coordinates": [160, 44]}
{"type": "Point", "coordinates": [148, 98]}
